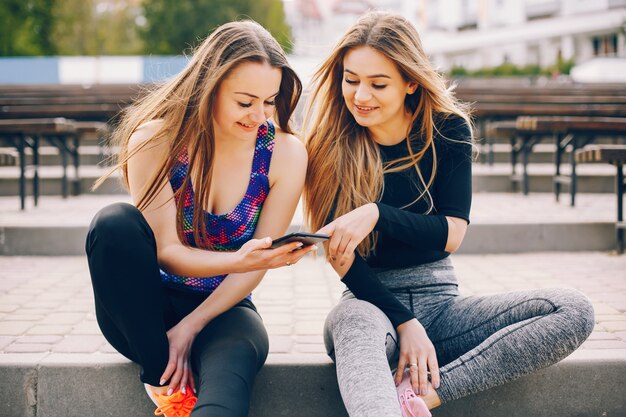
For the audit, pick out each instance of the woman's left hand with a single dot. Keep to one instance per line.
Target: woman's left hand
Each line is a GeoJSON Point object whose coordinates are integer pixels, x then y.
{"type": "Point", "coordinates": [349, 230]}
{"type": "Point", "coordinates": [417, 352]}
{"type": "Point", "coordinates": [178, 369]}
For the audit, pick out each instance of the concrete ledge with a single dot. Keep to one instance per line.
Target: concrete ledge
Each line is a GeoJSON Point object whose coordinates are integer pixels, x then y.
{"type": "Point", "coordinates": [589, 383]}
{"type": "Point", "coordinates": [52, 186]}
{"type": "Point", "coordinates": [541, 183]}
{"type": "Point", "coordinates": [538, 237]}
{"type": "Point", "coordinates": [495, 182]}
{"type": "Point", "coordinates": [480, 239]}
{"type": "Point", "coordinates": [43, 241]}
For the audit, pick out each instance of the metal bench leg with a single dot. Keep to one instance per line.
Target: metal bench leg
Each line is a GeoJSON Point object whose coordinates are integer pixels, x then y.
{"type": "Point", "coordinates": [514, 153]}
{"type": "Point", "coordinates": [557, 164]}
{"type": "Point", "coordinates": [36, 170]}
{"type": "Point", "coordinates": [491, 156]}
{"type": "Point", "coordinates": [527, 148]}
{"type": "Point", "coordinates": [574, 183]}
{"type": "Point", "coordinates": [525, 180]}
{"type": "Point", "coordinates": [63, 150]}
{"type": "Point", "coordinates": [620, 207]}
{"type": "Point", "coordinates": [21, 145]}
{"type": "Point", "coordinates": [76, 190]}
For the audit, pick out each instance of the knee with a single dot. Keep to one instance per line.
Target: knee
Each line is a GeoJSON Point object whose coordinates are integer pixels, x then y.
{"type": "Point", "coordinates": [115, 225]}
{"type": "Point", "coordinates": [247, 354]}
{"type": "Point", "coordinates": [582, 311]}
{"type": "Point", "coordinates": [577, 312]}
{"type": "Point", "coordinates": [357, 315]}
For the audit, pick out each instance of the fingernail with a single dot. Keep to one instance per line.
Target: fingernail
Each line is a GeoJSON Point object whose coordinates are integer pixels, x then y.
{"type": "Point", "coordinates": [300, 244]}
{"type": "Point", "coordinates": [396, 382]}
{"type": "Point", "coordinates": [162, 381]}
{"type": "Point", "coordinates": [194, 391]}
{"type": "Point", "coordinates": [437, 385]}
{"type": "Point", "coordinates": [184, 390]}
{"type": "Point", "coordinates": [169, 391]}
{"type": "Point", "coordinates": [314, 247]}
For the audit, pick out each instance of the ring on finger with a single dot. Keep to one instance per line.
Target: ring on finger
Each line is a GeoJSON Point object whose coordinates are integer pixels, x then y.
{"type": "Point", "coordinates": [413, 365]}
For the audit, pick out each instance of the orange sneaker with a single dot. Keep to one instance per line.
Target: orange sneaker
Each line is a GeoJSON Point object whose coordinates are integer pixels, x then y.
{"type": "Point", "coordinates": [175, 405]}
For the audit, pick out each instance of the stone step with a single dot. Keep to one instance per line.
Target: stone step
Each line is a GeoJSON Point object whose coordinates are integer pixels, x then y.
{"type": "Point", "coordinates": [497, 178]}
{"type": "Point", "coordinates": [588, 383]}
{"type": "Point", "coordinates": [543, 153]}
{"type": "Point", "coordinates": [500, 223]}
{"type": "Point", "coordinates": [54, 361]}
{"type": "Point", "coordinates": [92, 154]}
{"type": "Point", "coordinates": [480, 238]}
{"type": "Point", "coordinates": [49, 156]}
{"type": "Point", "coordinates": [486, 178]}
{"type": "Point", "coordinates": [602, 139]}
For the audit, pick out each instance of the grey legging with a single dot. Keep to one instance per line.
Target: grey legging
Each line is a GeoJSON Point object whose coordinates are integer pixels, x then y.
{"type": "Point", "coordinates": [481, 342]}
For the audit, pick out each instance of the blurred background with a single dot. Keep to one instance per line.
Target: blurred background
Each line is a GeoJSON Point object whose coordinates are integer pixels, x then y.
{"type": "Point", "coordinates": [122, 41]}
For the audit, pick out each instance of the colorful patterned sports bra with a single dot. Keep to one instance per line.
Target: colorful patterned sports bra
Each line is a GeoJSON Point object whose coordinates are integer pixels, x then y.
{"type": "Point", "coordinates": [226, 232]}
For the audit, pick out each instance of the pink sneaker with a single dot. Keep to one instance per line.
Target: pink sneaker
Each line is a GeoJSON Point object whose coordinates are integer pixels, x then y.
{"type": "Point", "coordinates": [412, 405]}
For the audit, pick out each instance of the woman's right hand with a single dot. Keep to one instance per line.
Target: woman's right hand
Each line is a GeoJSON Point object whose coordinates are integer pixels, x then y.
{"type": "Point", "coordinates": [416, 348]}
{"type": "Point", "coordinates": [256, 254]}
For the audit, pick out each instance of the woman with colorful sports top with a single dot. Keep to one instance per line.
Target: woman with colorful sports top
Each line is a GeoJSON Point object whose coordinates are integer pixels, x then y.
{"type": "Point", "coordinates": [382, 122]}
{"type": "Point", "coordinates": [213, 180]}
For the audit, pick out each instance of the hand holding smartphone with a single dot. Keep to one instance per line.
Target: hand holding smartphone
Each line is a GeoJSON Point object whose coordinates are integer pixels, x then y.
{"type": "Point", "coordinates": [306, 238]}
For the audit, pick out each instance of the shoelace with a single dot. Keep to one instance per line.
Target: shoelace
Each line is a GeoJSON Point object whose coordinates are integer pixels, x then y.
{"type": "Point", "coordinates": [410, 402]}
{"type": "Point", "coordinates": [404, 399]}
{"type": "Point", "coordinates": [174, 408]}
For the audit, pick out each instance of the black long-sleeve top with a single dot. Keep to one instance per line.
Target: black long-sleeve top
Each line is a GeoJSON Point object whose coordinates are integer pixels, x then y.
{"type": "Point", "coordinates": [412, 235]}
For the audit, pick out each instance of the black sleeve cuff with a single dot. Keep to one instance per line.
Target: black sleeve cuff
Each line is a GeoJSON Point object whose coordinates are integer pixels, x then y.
{"type": "Point", "coordinates": [362, 281]}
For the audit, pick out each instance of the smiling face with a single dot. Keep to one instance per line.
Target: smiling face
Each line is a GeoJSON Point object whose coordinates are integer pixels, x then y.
{"type": "Point", "coordinates": [374, 91]}
{"type": "Point", "coordinates": [245, 100]}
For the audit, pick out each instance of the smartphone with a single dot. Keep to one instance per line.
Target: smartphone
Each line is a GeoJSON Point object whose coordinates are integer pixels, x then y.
{"type": "Point", "coordinates": [306, 238]}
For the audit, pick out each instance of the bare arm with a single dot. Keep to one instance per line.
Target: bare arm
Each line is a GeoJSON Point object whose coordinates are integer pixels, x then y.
{"type": "Point", "coordinates": [160, 214]}
{"type": "Point", "coordinates": [456, 233]}
{"type": "Point", "coordinates": [288, 167]}
{"type": "Point", "coordinates": [278, 210]}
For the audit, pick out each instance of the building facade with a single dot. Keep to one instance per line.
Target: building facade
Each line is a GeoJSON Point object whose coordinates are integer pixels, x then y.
{"type": "Point", "coordinates": [476, 34]}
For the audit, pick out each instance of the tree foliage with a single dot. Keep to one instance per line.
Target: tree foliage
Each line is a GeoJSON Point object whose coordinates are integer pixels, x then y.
{"type": "Point", "coordinates": [175, 26]}
{"type": "Point", "coordinates": [26, 27]}
{"type": "Point", "coordinates": [91, 27]}
{"type": "Point", "coordinates": [123, 27]}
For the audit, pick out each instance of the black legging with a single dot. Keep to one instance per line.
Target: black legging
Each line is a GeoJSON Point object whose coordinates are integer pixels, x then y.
{"type": "Point", "coordinates": [134, 312]}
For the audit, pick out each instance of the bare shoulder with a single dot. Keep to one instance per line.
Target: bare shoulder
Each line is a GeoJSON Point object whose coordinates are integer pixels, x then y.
{"type": "Point", "coordinates": [289, 149]}
{"type": "Point", "coordinates": [289, 159]}
{"type": "Point", "coordinates": [144, 134]}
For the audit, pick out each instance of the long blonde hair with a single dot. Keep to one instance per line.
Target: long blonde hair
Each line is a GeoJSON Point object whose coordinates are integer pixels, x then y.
{"type": "Point", "coordinates": [345, 169]}
{"type": "Point", "coordinates": [185, 105]}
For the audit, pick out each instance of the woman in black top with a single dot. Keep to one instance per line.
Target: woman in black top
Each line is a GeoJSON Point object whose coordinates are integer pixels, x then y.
{"type": "Point", "coordinates": [389, 177]}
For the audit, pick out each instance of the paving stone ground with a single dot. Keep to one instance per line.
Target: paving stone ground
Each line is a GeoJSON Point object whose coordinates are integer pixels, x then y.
{"type": "Point", "coordinates": [46, 303]}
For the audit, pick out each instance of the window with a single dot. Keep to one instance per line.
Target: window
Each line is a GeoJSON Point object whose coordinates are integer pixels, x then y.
{"type": "Point", "coordinates": [605, 45]}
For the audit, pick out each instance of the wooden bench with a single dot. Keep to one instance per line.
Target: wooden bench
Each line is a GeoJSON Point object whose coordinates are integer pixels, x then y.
{"type": "Point", "coordinates": [498, 101]}
{"type": "Point", "coordinates": [29, 133]}
{"type": "Point", "coordinates": [566, 132]}
{"type": "Point", "coordinates": [614, 155]}
{"type": "Point", "coordinates": [94, 103]}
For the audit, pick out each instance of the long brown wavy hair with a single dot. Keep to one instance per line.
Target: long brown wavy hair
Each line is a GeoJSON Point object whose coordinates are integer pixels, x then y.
{"type": "Point", "coordinates": [185, 105]}
{"type": "Point", "coordinates": [345, 169]}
